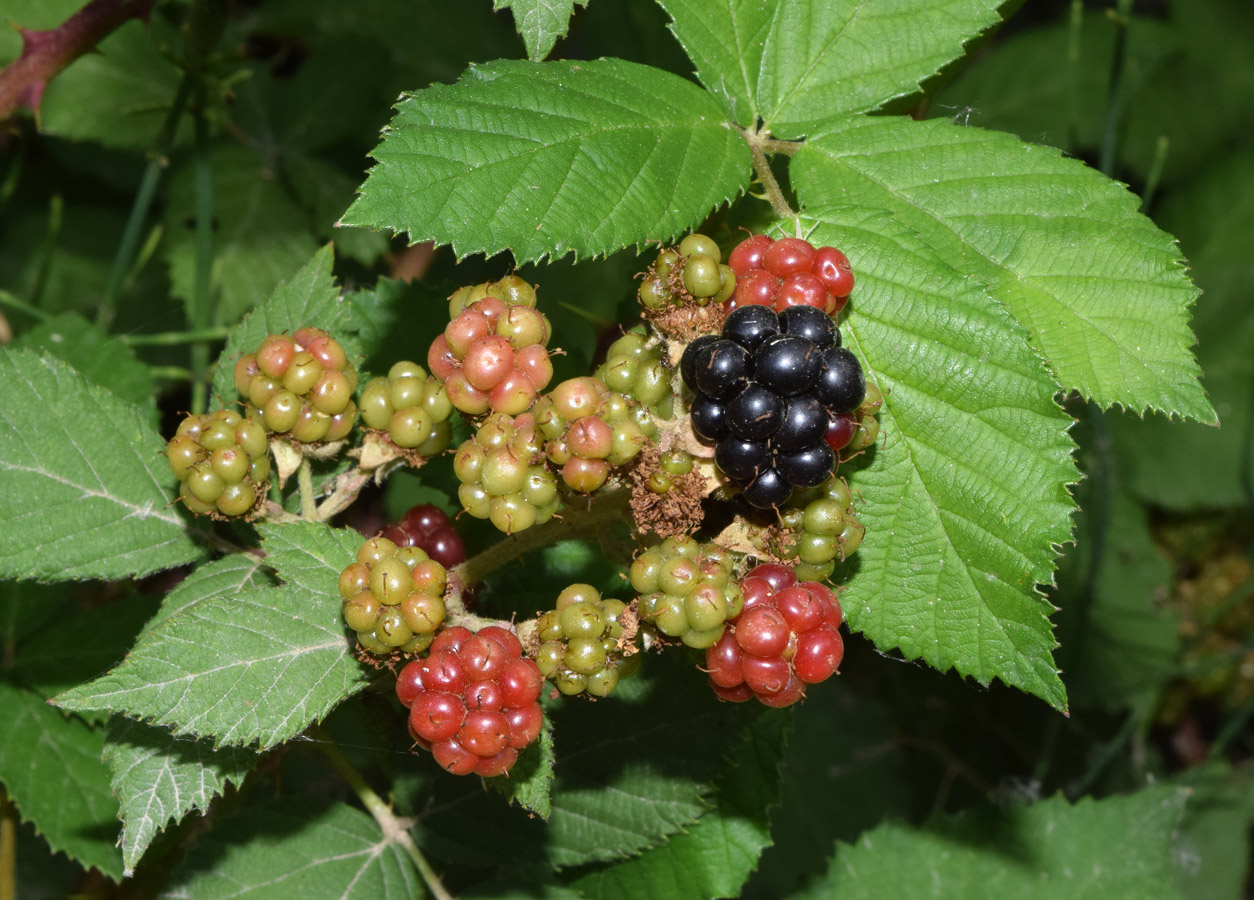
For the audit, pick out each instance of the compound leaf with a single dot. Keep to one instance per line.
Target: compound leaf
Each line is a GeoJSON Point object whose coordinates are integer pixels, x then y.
{"type": "Point", "coordinates": [87, 492]}
{"type": "Point", "coordinates": [1117, 847]}
{"type": "Point", "coordinates": [289, 850]}
{"type": "Point", "coordinates": [310, 297]}
{"type": "Point", "coordinates": [796, 63]}
{"type": "Point", "coordinates": [546, 159]}
{"type": "Point", "coordinates": [50, 766]}
{"type": "Point", "coordinates": [959, 530]}
{"type": "Point", "coordinates": [159, 778]}
{"type": "Point", "coordinates": [540, 22]}
{"type": "Point", "coordinates": [1100, 288]}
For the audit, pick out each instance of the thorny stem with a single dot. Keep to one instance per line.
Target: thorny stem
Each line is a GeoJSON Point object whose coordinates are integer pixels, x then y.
{"type": "Point", "coordinates": [758, 145]}
{"type": "Point", "coordinates": [395, 829]}
{"type": "Point", "coordinates": [46, 53]}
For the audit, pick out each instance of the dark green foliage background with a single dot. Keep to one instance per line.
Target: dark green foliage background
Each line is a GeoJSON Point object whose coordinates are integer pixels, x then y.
{"type": "Point", "coordinates": [894, 780]}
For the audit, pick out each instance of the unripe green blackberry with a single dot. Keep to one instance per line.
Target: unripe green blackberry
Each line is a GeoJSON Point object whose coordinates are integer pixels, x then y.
{"type": "Point", "coordinates": [302, 384]}
{"type": "Point", "coordinates": [393, 597]}
{"type": "Point", "coordinates": [410, 407]}
{"type": "Point", "coordinates": [499, 480]}
{"type": "Point", "coordinates": [590, 430]}
{"type": "Point", "coordinates": [581, 642]}
{"type": "Point", "coordinates": [221, 460]}
{"type": "Point", "coordinates": [686, 589]}
{"type": "Point", "coordinates": [635, 369]}
{"type": "Point", "coordinates": [692, 273]}
{"type": "Point", "coordinates": [818, 527]}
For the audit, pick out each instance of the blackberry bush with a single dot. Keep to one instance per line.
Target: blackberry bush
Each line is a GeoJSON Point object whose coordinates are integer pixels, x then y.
{"type": "Point", "coordinates": [726, 334]}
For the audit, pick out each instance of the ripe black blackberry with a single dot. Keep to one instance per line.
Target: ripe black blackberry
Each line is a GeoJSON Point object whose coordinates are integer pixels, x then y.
{"type": "Point", "coordinates": [766, 392]}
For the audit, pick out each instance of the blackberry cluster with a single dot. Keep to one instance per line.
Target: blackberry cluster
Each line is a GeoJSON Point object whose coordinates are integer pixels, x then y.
{"type": "Point", "coordinates": [221, 461]}
{"type": "Point", "coordinates": [786, 637]}
{"type": "Point", "coordinates": [590, 430]}
{"type": "Point", "coordinates": [393, 597]}
{"type": "Point", "coordinates": [765, 394]}
{"type": "Point", "coordinates": [687, 590]}
{"type": "Point", "coordinates": [493, 355]}
{"type": "Point", "coordinates": [303, 386]}
{"type": "Point", "coordinates": [499, 481]}
{"type": "Point", "coordinates": [473, 702]}
{"type": "Point", "coordinates": [429, 528]}
{"type": "Point", "coordinates": [409, 407]}
{"type": "Point", "coordinates": [511, 290]}
{"type": "Point", "coordinates": [635, 369]}
{"type": "Point", "coordinates": [789, 272]}
{"type": "Point", "coordinates": [582, 642]}
{"type": "Point", "coordinates": [817, 528]}
{"type": "Point", "coordinates": [690, 273]}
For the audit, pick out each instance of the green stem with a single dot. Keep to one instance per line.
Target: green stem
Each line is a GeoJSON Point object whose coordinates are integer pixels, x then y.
{"type": "Point", "coordinates": [21, 305]}
{"type": "Point", "coordinates": [602, 510]}
{"type": "Point", "coordinates": [157, 164]}
{"type": "Point", "coordinates": [175, 338]}
{"type": "Point", "coordinates": [395, 829]}
{"type": "Point", "coordinates": [48, 248]}
{"type": "Point", "coordinates": [1156, 172]}
{"type": "Point", "coordinates": [308, 501]}
{"type": "Point", "coordinates": [762, 168]}
{"type": "Point", "coordinates": [200, 314]}
{"type": "Point", "coordinates": [1074, 35]}
{"type": "Point", "coordinates": [171, 373]}
{"type": "Point", "coordinates": [1114, 94]}
{"type": "Point", "coordinates": [8, 847]}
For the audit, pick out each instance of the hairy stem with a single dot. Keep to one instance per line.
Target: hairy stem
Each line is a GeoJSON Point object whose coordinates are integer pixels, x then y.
{"type": "Point", "coordinates": [602, 510]}
{"type": "Point", "coordinates": [758, 145]}
{"type": "Point", "coordinates": [45, 53]}
{"type": "Point", "coordinates": [308, 501]}
{"type": "Point", "coordinates": [395, 829]}
{"type": "Point", "coordinates": [8, 847]}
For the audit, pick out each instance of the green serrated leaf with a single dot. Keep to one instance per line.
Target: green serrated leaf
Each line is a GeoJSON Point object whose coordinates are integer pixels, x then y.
{"type": "Point", "coordinates": [223, 577]}
{"type": "Point", "coordinates": [1121, 847]}
{"type": "Point", "coordinates": [118, 96]}
{"type": "Point", "coordinates": [797, 63]}
{"type": "Point", "coordinates": [1163, 460]}
{"type": "Point", "coordinates": [291, 849]}
{"type": "Point", "coordinates": [50, 766]}
{"type": "Point", "coordinates": [546, 159]}
{"type": "Point", "coordinates": [311, 556]}
{"type": "Point", "coordinates": [159, 778]}
{"type": "Point", "coordinates": [1213, 837]}
{"type": "Point", "coordinates": [530, 781]}
{"type": "Point", "coordinates": [99, 358]}
{"type": "Point", "coordinates": [1099, 287]}
{"type": "Point", "coordinates": [87, 490]}
{"type": "Point", "coordinates": [264, 234]}
{"type": "Point", "coordinates": [540, 22]}
{"type": "Point", "coordinates": [260, 665]}
{"type": "Point", "coordinates": [310, 297]}
{"type": "Point", "coordinates": [712, 858]}
{"type": "Point", "coordinates": [958, 532]}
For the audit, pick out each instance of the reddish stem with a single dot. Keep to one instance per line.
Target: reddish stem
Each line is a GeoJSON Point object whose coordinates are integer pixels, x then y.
{"type": "Point", "coordinates": [45, 53]}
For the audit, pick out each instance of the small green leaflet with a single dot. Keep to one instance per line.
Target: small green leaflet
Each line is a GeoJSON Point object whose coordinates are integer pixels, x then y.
{"type": "Point", "coordinates": [87, 492]}
{"type": "Point", "coordinates": [546, 159]}
{"type": "Point", "coordinates": [1121, 847]}
{"type": "Point", "coordinates": [1100, 288]}
{"type": "Point", "coordinates": [159, 778]}
{"type": "Point", "coordinates": [530, 781]}
{"type": "Point", "coordinates": [289, 849]}
{"type": "Point", "coordinates": [310, 297]}
{"type": "Point", "coordinates": [965, 498]}
{"type": "Point", "coordinates": [540, 22]}
{"type": "Point", "coordinates": [223, 577]}
{"type": "Point", "coordinates": [50, 766]}
{"type": "Point", "coordinates": [796, 64]}
{"type": "Point", "coordinates": [255, 666]}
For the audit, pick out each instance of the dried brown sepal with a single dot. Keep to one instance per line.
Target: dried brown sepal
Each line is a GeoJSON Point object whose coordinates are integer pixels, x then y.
{"type": "Point", "coordinates": [377, 452]}
{"type": "Point", "coordinates": [390, 662]}
{"type": "Point", "coordinates": [689, 321]}
{"type": "Point", "coordinates": [678, 511]}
